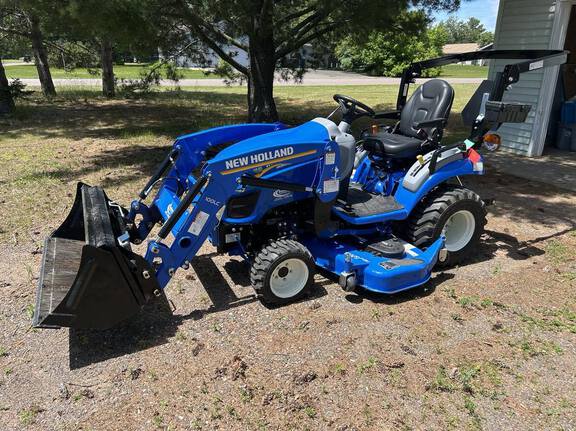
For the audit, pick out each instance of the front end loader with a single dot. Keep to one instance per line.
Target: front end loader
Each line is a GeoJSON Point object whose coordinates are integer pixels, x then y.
{"type": "Point", "coordinates": [378, 211]}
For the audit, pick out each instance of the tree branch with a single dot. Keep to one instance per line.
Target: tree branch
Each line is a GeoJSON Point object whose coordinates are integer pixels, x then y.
{"type": "Point", "coordinates": [202, 24]}
{"type": "Point", "coordinates": [298, 14]}
{"type": "Point", "coordinates": [227, 38]}
{"type": "Point", "coordinates": [309, 26]}
{"type": "Point", "coordinates": [304, 40]}
{"type": "Point", "coordinates": [196, 24]}
{"type": "Point", "coordinates": [306, 25]}
{"type": "Point", "coordinates": [312, 18]}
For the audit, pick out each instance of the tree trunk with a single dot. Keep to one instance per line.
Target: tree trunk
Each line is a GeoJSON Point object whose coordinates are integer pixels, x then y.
{"type": "Point", "coordinates": [107, 69]}
{"type": "Point", "coordinates": [41, 58]}
{"type": "Point", "coordinates": [6, 101]}
{"type": "Point", "coordinates": [261, 105]}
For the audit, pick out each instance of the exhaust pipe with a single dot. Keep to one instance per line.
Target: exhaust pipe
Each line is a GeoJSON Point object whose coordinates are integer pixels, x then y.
{"type": "Point", "coordinates": [89, 276]}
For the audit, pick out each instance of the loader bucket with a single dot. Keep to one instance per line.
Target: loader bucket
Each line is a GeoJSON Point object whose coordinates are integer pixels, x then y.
{"type": "Point", "coordinates": [88, 278]}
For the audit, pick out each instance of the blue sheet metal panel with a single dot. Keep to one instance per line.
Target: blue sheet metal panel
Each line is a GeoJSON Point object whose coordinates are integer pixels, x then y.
{"type": "Point", "coordinates": [192, 148]}
{"type": "Point", "coordinates": [338, 257]}
{"type": "Point", "coordinates": [194, 145]}
{"type": "Point", "coordinates": [306, 133]}
{"type": "Point", "coordinates": [298, 173]}
{"type": "Point", "coordinates": [311, 172]}
{"type": "Point", "coordinates": [454, 169]}
{"type": "Point", "coordinates": [232, 132]}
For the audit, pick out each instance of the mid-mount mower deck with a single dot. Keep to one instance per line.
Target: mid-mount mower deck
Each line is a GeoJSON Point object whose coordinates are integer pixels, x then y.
{"type": "Point", "coordinates": [378, 211]}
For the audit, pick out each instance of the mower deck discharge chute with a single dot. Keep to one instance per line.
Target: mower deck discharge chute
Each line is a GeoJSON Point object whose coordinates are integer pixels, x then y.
{"type": "Point", "coordinates": [88, 278]}
{"type": "Point", "coordinates": [378, 210]}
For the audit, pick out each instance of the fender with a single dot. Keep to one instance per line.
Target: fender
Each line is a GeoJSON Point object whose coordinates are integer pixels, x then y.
{"type": "Point", "coordinates": [409, 199]}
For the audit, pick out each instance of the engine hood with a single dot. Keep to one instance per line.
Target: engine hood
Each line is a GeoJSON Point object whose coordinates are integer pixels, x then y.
{"type": "Point", "coordinates": [307, 133]}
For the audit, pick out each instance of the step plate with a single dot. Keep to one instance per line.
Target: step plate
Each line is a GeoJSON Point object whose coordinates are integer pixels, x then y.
{"type": "Point", "coordinates": [360, 203]}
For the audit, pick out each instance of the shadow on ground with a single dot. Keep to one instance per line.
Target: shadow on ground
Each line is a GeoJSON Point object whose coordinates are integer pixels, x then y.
{"type": "Point", "coordinates": [152, 327]}
{"type": "Point", "coordinates": [522, 201]}
{"type": "Point", "coordinates": [166, 114]}
{"type": "Point", "coordinates": [157, 323]}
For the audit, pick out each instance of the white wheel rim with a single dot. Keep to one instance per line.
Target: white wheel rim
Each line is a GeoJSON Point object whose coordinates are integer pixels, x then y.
{"type": "Point", "coordinates": [289, 278]}
{"type": "Point", "coordinates": [458, 230]}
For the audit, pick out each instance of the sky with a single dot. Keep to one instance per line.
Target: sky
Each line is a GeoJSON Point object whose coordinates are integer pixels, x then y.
{"type": "Point", "coordinates": [485, 10]}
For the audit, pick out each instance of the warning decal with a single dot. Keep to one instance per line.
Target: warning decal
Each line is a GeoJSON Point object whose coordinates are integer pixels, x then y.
{"type": "Point", "coordinates": [198, 223]}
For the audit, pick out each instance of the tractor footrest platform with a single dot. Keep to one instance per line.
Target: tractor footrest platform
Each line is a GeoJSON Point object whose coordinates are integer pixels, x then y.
{"type": "Point", "coordinates": [360, 203]}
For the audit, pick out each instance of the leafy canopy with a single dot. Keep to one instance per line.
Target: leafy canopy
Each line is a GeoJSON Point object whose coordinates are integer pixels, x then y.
{"type": "Point", "coordinates": [466, 31]}
{"type": "Point", "coordinates": [389, 52]}
{"type": "Point", "coordinates": [227, 26]}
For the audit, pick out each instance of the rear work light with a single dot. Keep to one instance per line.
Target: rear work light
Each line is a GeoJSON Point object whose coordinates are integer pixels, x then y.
{"type": "Point", "coordinates": [492, 141]}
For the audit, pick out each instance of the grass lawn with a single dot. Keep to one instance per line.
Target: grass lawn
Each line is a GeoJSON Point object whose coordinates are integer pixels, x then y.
{"type": "Point", "coordinates": [129, 71]}
{"type": "Point", "coordinates": [464, 71]}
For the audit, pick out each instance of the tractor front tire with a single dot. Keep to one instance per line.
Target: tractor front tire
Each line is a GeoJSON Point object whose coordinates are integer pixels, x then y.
{"type": "Point", "coordinates": [454, 211]}
{"type": "Point", "coordinates": [282, 272]}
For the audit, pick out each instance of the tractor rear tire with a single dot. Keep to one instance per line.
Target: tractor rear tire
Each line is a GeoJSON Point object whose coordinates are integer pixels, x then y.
{"type": "Point", "coordinates": [457, 212]}
{"type": "Point", "coordinates": [282, 272]}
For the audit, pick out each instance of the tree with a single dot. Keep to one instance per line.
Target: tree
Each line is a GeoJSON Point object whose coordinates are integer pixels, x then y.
{"type": "Point", "coordinates": [108, 27]}
{"type": "Point", "coordinates": [6, 101]}
{"type": "Point", "coordinates": [14, 46]}
{"type": "Point", "coordinates": [270, 31]}
{"type": "Point", "coordinates": [485, 38]}
{"type": "Point", "coordinates": [466, 31]}
{"type": "Point", "coordinates": [24, 18]}
{"type": "Point", "coordinates": [388, 53]}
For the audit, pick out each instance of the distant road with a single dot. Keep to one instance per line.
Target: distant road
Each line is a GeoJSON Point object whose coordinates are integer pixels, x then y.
{"type": "Point", "coordinates": [314, 77]}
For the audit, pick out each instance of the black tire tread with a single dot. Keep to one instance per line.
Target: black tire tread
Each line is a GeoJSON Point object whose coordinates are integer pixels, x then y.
{"type": "Point", "coordinates": [420, 227]}
{"type": "Point", "coordinates": [267, 257]}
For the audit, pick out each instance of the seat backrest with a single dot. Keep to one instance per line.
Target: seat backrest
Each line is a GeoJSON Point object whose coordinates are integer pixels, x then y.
{"type": "Point", "coordinates": [431, 100]}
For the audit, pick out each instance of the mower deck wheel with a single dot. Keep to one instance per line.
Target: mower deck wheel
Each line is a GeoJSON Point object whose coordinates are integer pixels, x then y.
{"type": "Point", "coordinates": [282, 272]}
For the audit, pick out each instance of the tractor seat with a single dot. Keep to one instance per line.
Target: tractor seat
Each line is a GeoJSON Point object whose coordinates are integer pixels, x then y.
{"type": "Point", "coordinates": [430, 103]}
{"type": "Point", "coordinates": [384, 144]}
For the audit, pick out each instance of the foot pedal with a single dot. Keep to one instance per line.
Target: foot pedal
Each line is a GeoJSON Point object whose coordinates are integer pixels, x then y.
{"type": "Point", "coordinates": [391, 248]}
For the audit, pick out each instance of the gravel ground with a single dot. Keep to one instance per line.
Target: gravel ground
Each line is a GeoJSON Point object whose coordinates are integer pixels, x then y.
{"type": "Point", "coordinates": [488, 345]}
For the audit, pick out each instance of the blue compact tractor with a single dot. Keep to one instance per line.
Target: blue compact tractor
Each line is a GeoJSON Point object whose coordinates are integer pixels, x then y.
{"type": "Point", "coordinates": [378, 211]}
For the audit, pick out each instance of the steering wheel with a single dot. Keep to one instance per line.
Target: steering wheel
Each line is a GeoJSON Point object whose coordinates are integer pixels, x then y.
{"type": "Point", "coordinates": [352, 109]}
